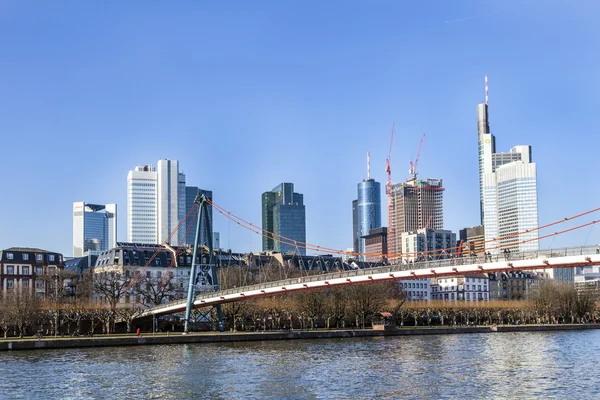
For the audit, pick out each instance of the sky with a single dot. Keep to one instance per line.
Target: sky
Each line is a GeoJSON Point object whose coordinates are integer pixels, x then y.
{"type": "Point", "coordinates": [247, 95]}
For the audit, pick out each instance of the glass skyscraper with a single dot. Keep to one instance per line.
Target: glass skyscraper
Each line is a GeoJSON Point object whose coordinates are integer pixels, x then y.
{"type": "Point", "coordinates": [283, 214]}
{"type": "Point", "coordinates": [508, 192]}
{"type": "Point", "coordinates": [94, 228]}
{"type": "Point", "coordinates": [368, 210]}
{"type": "Point", "coordinates": [192, 221]}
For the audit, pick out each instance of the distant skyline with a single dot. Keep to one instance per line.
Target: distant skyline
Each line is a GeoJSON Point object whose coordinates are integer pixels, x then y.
{"type": "Point", "coordinates": [244, 95]}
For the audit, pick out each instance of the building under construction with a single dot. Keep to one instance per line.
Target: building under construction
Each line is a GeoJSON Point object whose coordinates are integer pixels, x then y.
{"type": "Point", "coordinates": [417, 204]}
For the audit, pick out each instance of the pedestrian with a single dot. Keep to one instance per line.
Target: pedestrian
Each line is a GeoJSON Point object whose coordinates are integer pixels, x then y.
{"type": "Point", "coordinates": [138, 332]}
{"type": "Point", "coordinates": [598, 249]}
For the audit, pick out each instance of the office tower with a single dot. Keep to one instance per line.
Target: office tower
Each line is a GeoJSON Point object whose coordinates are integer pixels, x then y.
{"type": "Point", "coordinates": [283, 214]}
{"type": "Point", "coordinates": [168, 202]}
{"type": "Point", "coordinates": [369, 208]}
{"type": "Point", "coordinates": [428, 244]}
{"type": "Point", "coordinates": [191, 192]}
{"type": "Point", "coordinates": [507, 190]}
{"type": "Point", "coordinates": [472, 239]}
{"type": "Point", "coordinates": [355, 226]}
{"type": "Point", "coordinates": [142, 205]}
{"type": "Point", "coordinates": [94, 228]}
{"type": "Point", "coordinates": [156, 203]}
{"type": "Point", "coordinates": [418, 204]}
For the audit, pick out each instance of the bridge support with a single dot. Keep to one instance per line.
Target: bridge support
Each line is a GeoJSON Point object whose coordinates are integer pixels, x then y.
{"type": "Point", "coordinates": [204, 224]}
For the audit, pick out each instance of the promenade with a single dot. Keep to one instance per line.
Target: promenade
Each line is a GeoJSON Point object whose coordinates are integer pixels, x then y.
{"type": "Point", "coordinates": [30, 343]}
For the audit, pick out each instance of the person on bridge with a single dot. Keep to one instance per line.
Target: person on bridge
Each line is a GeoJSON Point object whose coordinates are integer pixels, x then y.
{"type": "Point", "coordinates": [138, 332]}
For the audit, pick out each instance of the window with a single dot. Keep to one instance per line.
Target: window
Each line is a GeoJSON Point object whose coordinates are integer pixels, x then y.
{"type": "Point", "coordinates": [25, 283]}
{"type": "Point", "coordinates": [39, 270]}
{"type": "Point", "coordinates": [51, 257]}
{"type": "Point", "coordinates": [9, 256]}
{"type": "Point", "coordinates": [10, 269]}
{"type": "Point", "coordinates": [39, 257]}
{"type": "Point", "coordinates": [39, 284]}
{"type": "Point", "coordinates": [25, 270]}
{"type": "Point", "coordinates": [10, 283]}
{"type": "Point", "coordinates": [25, 256]}
{"type": "Point", "coordinates": [468, 296]}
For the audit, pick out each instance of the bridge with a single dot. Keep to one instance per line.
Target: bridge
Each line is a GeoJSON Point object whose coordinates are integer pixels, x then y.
{"type": "Point", "coordinates": [563, 258]}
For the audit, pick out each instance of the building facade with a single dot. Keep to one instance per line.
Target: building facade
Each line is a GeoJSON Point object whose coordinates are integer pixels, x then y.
{"type": "Point", "coordinates": [416, 289]}
{"type": "Point", "coordinates": [31, 271]}
{"type": "Point", "coordinates": [427, 244]}
{"type": "Point", "coordinates": [376, 245]}
{"type": "Point", "coordinates": [508, 192]}
{"type": "Point", "coordinates": [355, 226]}
{"type": "Point", "coordinates": [284, 215]}
{"type": "Point", "coordinates": [368, 210]}
{"type": "Point", "coordinates": [191, 192]}
{"type": "Point", "coordinates": [472, 240]}
{"type": "Point", "coordinates": [461, 288]}
{"type": "Point", "coordinates": [94, 227]}
{"type": "Point", "coordinates": [418, 204]}
{"type": "Point", "coordinates": [142, 205]}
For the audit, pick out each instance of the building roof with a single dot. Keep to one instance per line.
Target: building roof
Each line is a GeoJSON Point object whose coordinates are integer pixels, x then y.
{"type": "Point", "coordinates": [28, 249]}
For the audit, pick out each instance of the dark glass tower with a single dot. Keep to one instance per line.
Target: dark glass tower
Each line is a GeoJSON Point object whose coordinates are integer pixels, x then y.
{"type": "Point", "coordinates": [283, 214]}
{"type": "Point", "coordinates": [369, 210]}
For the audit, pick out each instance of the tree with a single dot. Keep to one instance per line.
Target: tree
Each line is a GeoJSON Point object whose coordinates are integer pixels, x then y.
{"type": "Point", "coordinates": [154, 290]}
{"type": "Point", "coordinates": [112, 285]}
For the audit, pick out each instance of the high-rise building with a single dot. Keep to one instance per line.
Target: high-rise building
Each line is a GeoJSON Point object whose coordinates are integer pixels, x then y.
{"type": "Point", "coordinates": [157, 200]}
{"type": "Point", "coordinates": [507, 190]}
{"type": "Point", "coordinates": [418, 204]}
{"type": "Point", "coordinates": [368, 209]}
{"type": "Point", "coordinates": [94, 228]}
{"type": "Point", "coordinates": [355, 226]}
{"type": "Point", "coordinates": [191, 192]}
{"type": "Point", "coordinates": [142, 205]}
{"type": "Point", "coordinates": [283, 214]}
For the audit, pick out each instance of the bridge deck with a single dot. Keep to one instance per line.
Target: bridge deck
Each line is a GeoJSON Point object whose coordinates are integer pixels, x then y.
{"type": "Point", "coordinates": [568, 257]}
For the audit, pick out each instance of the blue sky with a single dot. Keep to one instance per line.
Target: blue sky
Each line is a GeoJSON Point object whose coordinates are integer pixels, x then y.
{"type": "Point", "coordinates": [250, 94]}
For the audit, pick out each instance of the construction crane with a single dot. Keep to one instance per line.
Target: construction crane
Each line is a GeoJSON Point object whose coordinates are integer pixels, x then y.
{"type": "Point", "coordinates": [413, 167]}
{"type": "Point", "coordinates": [390, 201]}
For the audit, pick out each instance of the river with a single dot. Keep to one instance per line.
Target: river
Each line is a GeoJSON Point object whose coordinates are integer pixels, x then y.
{"type": "Point", "coordinates": [481, 366]}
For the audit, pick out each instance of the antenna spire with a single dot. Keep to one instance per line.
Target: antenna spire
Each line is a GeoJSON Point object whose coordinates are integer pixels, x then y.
{"type": "Point", "coordinates": [486, 90]}
{"type": "Point", "coordinates": [368, 165]}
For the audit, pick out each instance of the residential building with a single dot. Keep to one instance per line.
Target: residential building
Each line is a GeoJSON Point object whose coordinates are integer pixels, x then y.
{"type": "Point", "coordinates": [94, 227]}
{"type": "Point", "coordinates": [31, 270]}
{"type": "Point", "coordinates": [368, 210]}
{"type": "Point", "coordinates": [416, 289]}
{"type": "Point", "coordinates": [473, 287]}
{"type": "Point", "coordinates": [427, 244]}
{"type": "Point", "coordinates": [417, 204]}
{"type": "Point", "coordinates": [517, 285]}
{"type": "Point", "coordinates": [284, 216]}
{"type": "Point", "coordinates": [508, 192]}
{"type": "Point", "coordinates": [376, 245]}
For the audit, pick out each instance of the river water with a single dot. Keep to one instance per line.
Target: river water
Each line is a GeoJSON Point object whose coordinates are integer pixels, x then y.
{"type": "Point", "coordinates": [480, 366]}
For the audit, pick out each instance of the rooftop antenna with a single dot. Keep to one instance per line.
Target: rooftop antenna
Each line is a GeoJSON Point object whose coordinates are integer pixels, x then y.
{"type": "Point", "coordinates": [486, 90]}
{"type": "Point", "coordinates": [368, 165]}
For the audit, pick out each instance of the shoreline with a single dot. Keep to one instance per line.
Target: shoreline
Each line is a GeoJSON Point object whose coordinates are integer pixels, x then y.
{"type": "Point", "coordinates": [215, 337]}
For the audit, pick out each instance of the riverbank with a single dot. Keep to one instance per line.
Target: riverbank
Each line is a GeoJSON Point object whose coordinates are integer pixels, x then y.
{"type": "Point", "coordinates": [213, 337]}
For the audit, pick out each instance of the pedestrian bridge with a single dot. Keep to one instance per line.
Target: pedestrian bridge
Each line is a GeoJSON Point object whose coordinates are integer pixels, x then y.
{"type": "Point", "coordinates": [548, 259]}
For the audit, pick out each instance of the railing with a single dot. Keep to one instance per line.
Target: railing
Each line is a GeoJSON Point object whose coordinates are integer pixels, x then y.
{"type": "Point", "coordinates": [396, 267]}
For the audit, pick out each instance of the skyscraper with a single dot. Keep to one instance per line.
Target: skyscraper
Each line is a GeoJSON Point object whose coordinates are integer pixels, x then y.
{"type": "Point", "coordinates": [507, 191]}
{"type": "Point", "coordinates": [191, 192]}
{"type": "Point", "coordinates": [94, 228]}
{"type": "Point", "coordinates": [355, 226]}
{"type": "Point", "coordinates": [368, 208]}
{"type": "Point", "coordinates": [418, 204]}
{"type": "Point", "coordinates": [142, 205]}
{"type": "Point", "coordinates": [157, 200]}
{"type": "Point", "coordinates": [283, 214]}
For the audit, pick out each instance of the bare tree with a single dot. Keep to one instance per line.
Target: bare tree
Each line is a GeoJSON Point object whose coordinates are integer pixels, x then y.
{"type": "Point", "coordinates": [154, 290]}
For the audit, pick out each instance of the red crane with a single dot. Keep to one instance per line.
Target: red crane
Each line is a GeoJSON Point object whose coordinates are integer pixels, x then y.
{"type": "Point", "coordinates": [388, 169]}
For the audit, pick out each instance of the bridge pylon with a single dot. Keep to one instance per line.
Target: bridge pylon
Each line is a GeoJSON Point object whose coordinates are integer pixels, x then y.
{"type": "Point", "coordinates": [204, 225]}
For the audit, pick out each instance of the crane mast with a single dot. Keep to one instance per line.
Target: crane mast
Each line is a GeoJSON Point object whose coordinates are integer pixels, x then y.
{"type": "Point", "coordinates": [390, 201]}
